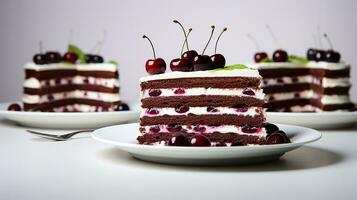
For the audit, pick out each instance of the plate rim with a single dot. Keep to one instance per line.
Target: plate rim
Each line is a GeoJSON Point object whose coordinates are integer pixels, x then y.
{"type": "Point", "coordinates": [256, 147]}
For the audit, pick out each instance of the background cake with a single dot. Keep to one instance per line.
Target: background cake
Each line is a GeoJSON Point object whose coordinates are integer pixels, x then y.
{"type": "Point", "coordinates": [295, 84]}
{"type": "Point", "coordinates": [61, 84]}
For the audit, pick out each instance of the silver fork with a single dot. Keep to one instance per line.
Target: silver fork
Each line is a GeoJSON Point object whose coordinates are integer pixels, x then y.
{"type": "Point", "coordinates": [62, 137]}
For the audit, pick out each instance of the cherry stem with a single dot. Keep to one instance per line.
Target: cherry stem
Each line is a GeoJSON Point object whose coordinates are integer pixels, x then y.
{"type": "Point", "coordinates": [210, 37]}
{"type": "Point", "coordinates": [328, 40]}
{"type": "Point", "coordinates": [152, 46]}
{"type": "Point", "coordinates": [315, 40]}
{"type": "Point", "coordinates": [101, 43]}
{"type": "Point", "coordinates": [40, 46]}
{"type": "Point", "coordinates": [184, 32]}
{"type": "Point", "coordinates": [273, 36]}
{"type": "Point", "coordinates": [215, 46]}
{"type": "Point", "coordinates": [184, 42]}
{"type": "Point", "coordinates": [319, 36]}
{"type": "Point", "coordinates": [255, 42]}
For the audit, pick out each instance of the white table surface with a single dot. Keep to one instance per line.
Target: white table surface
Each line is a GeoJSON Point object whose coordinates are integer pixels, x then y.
{"type": "Point", "coordinates": [33, 168]}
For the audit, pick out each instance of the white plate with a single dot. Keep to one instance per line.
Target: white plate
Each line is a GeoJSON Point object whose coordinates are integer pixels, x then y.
{"type": "Point", "coordinates": [53, 120]}
{"type": "Point", "coordinates": [124, 137]}
{"type": "Point", "coordinates": [322, 120]}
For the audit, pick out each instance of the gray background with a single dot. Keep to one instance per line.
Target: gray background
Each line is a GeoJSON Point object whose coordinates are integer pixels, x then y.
{"type": "Point", "coordinates": [24, 23]}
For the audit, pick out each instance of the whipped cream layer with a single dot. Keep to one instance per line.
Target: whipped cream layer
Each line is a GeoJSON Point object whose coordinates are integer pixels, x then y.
{"type": "Point", "coordinates": [204, 74]}
{"type": "Point", "coordinates": [81, 108]}
{"type": "Point", "coordinates": [203, 91]}
{"type": "Point", "coordinates": [67, 66]}
{"type": "Point", "coordinates": [327, 65]}
{"type": "Point", "coordinates": [106, 82]}
{"type": "Point", "coordinates": [100, 96]}
{"type": "Point", "coordinates": [326, 82]}
{"type": "Point", "coordinates": [309, 94]}
{"type": "Point", "coordinates": [248, 111]}
{"type": "Point", "coordinates": [260, 132]}
{"type": "Point", "coordinates": [310, 64]}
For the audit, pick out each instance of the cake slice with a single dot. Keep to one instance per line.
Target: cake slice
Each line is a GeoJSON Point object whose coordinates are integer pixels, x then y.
{"type": "Point", "coordinates": [306, 86]}
{"type": "Point", "coordinates": [224, 105]}
{"type": "Point", "coordinates": [74, 82]}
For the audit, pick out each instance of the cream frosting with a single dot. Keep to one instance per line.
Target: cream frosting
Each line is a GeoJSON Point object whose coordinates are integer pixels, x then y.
{"type": "Point", "coordinates": [310, 64]}
{"type": "Point", "coordinates": [81, 108]}
{"type": "Point", "coordinates": [326, 82]}
{"type": "Point", "coordinates": [209, 129]}
{"type": "Point", "coordinates": [67, 66]}
{"type": "Point", "coordinates": [327, 65]}
{"type": "Point", "coordinates": [206, 91]}
{"type": "Point", "coordinates": [197, 74]}
{"type": "Point", "coordinates": [252, 111]}
{"type": "Point", "coordinates": [32, 83]}
{"type": "Point", "coordinates": [107, 97]}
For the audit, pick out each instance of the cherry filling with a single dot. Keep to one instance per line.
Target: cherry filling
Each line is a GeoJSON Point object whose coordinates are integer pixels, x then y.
{"type": "Point", "coordinates": [154, 129]}
{"type": "Point", "coordinates": [212, 109]}
{"type": "Point", "coordinates": [294, 79]}
{"type": "Point", "coordinates": [154, 93]}
{"type": "Point", "coordinates": [249, 92]}
{"type": "Point", "coordinates": [152, 111]}
{"type": "Point", "coordinates": [173, 128]}
{"type": "Point", "coordinates": [241, 108]}
{"type": "Point", "coordinates": [181, 109]}
{"type": "Point", "coordinates": [180, 91]}
{"type": "Point", "coordinates": [248, 129]}
{"type": "Point", "coordinates": [279, 80]}
{"type": "Point", "coordinates": [200, 129]}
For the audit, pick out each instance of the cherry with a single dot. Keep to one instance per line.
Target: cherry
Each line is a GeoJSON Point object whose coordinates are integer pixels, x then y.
{"type": "Point", "coordinates": [218, 59]}
{"type": "Point", "coordinates": [173, 128]}
{"type": "Point", "coordinates": [178, 139]}
{"type": "Point", "coordinates": [203, 62]}
{"type": "Point", "coordinates": [156, 65]}
{"type": "Point", "coordinates": [70, 57]}
{"type": "Point", "coordinates": [320, 55]}
{"type": "Point", "coordinates": [249, 92]}
{"type": "Point", "coordinates": [53, 57]}
{"type": "Point", "coordinates": [39, 59]}
{"type": "Point", "coordinates": [154, 92]}
{"type": "Point", "coordinates": [152, 111]}
{"type": "Point", "coordinates": [97, 59]}
{"type": "Point", "coordinates": [14, 107]}
{"type": "Point", "coordinates": [279, 137]}
{"type": "Point", "coordinates": [200, 141]}
{"type": "Point", "coordinates": [270, 128]}
{"type": "Point", "coordinates": [179, 91]}
{"type": "Point", "coordinates": [181, 64]}
{"type": "Point", "coordinates": [249, 129]}
{"type": "Point", "coordinates": [122, 107]}
{"type": "Point", "coordinates": [190, 55]}
{"type": "Point", "coordinates": [182, 109]}
{"type": "Point", "coordinates": [89, 58]}
{"type": "Point", "coordinates": [212, 109]}
{"type": "Point", "coordinates": [259, 56]}
{"type": "Point", "coordinates": [280, 56]}
{"type": "Point", "coordinates": [311, 54]}
{"type": "Point", "coordinates": [331, 55]}
{"type": "Point", "coordinates": [154, 129]}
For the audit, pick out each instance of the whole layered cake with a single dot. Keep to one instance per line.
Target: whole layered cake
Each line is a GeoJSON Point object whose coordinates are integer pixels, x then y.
{"type": "Point", "coordinates": [202, 102]}
{"type": "Point", "coordinates": [223, 105]}
{"type": "Point", "coordinates": [74, 82]}
{"type": "Point", "coordinates": [295, 84]}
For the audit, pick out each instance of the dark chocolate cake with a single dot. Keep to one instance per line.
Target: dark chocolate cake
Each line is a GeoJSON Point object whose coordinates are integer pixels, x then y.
{"type": "Point", "coordinates": [223, 105]}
